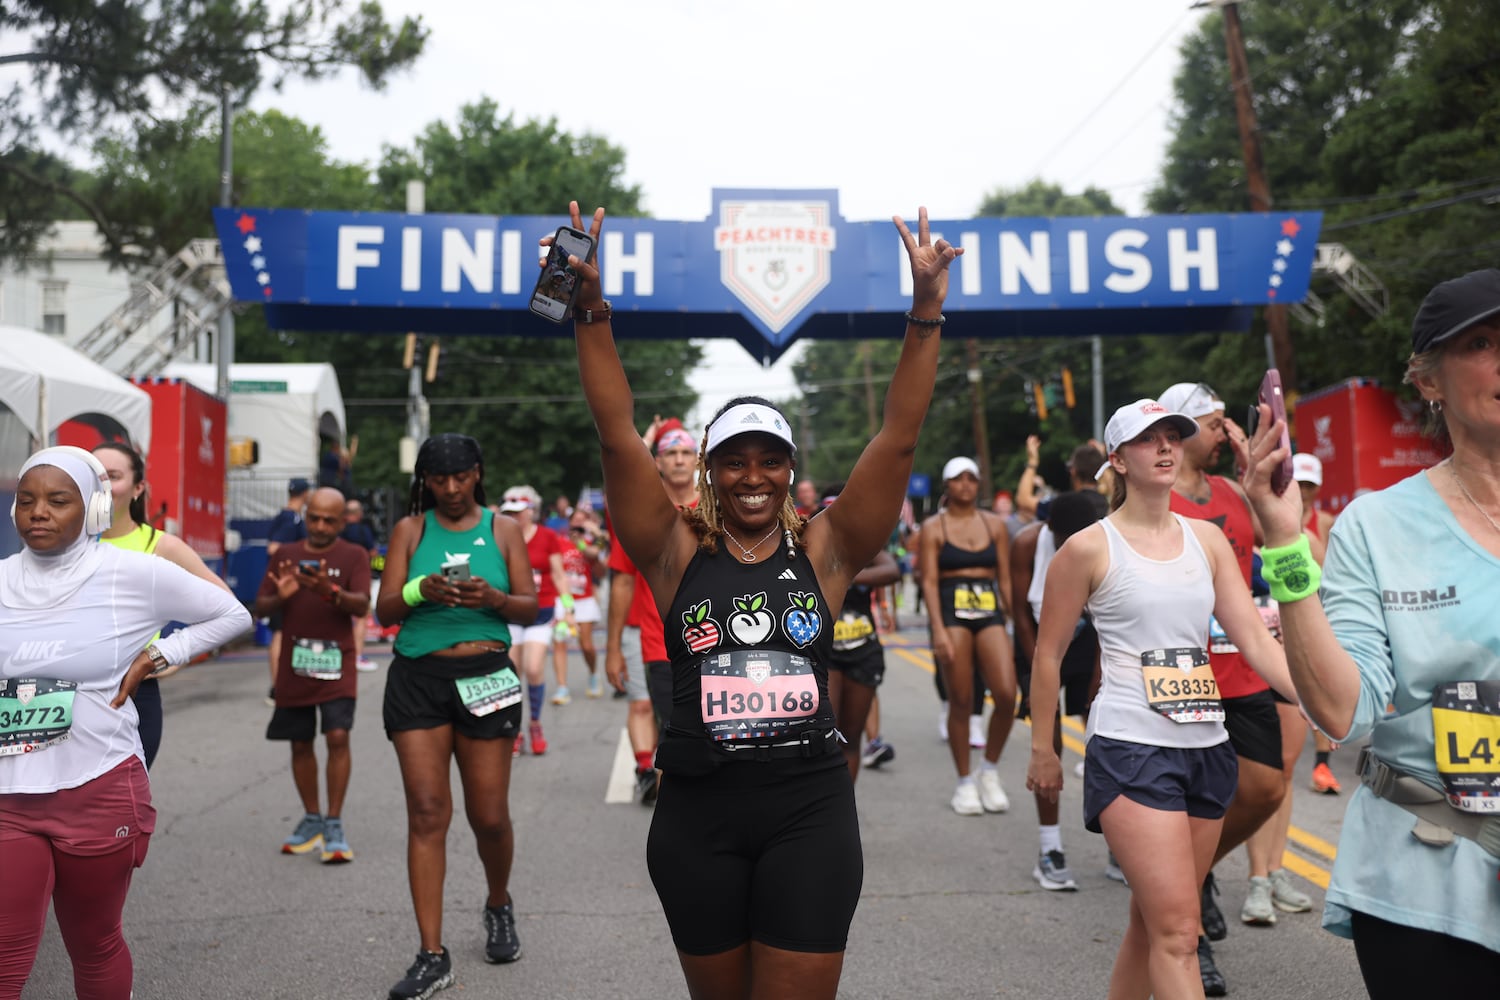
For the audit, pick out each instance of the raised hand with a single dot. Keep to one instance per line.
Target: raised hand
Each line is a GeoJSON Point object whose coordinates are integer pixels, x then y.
{"type": "Point", "coordinates": [1280, 516]}
{"type": "Point", "coordinates": [929, 262]}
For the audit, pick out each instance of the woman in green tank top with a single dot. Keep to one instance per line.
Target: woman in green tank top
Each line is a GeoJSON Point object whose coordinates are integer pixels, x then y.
{"type": "Point", "coordinates": [456, 577]}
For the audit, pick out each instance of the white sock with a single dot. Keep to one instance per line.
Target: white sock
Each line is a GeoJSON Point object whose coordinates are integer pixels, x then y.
{"type": "Point", "coordinates": [1051, 838]}
{"type": "Point", "coordinates": [966, 779]}
{"type": "Point", "coordinates": [987, 766]}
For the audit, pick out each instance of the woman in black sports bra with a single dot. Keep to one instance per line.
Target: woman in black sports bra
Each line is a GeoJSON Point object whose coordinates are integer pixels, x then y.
{"type": "Point", "coordinates": [964, 552]}
{"type": "Point", "coordinates": [754, 847]}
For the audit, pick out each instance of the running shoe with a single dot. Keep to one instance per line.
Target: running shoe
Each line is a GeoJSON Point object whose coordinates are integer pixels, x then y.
{"type": "Point", "coordinates": [307, 837]}
{"type": "Point", "coordinates": [1213, 980]}
{"type": "Point", "coordinates": [365, 665]}
{"type": "Point", "coordinates": [943, 723]}
{"type": "Point", "coordinates": [976, 731]}
{"type": "Point", "coordinates": [271, 698]}
{"type": "Point", "coordinates": [519, 746]}
{"type": "Point", "coordinates": [645, 785]}
{"type": "Point", "coordinates": [617, 695]}
{"type": "Point", "coordinates": [1323, 781]}
{"type": "Point", "coordinates": [1258, 909]}
{"type": "Point", "coordinates": [1285, 896]}
{"type": "Point", "coordinates": [991, 795]}
{"type": "Point", "coordinates": [878, 752]}
{"type": "Point", "coordinates": [500, 941]}
{"type": "Point", "coordinates": [1078, 769]}
{"type": "Point", "coordinates": [966, 801]}
{"type": "Point", "coordinates": [538, 741]}
{"type": "Point", "coordinates": [336, 849]}
{"type": "Point", "coordinates": [1051, 872]}
{"type": "Point", "coordinates": [1213, 921]}
{"type": "Point", "coordinates": [428, 974]}
{"type": "Point", "coordinates": [562, 696]}
{"type": "Point", "coordinates": [1113, 871]}
{"type": "Point", "coordinates": [595, 687]}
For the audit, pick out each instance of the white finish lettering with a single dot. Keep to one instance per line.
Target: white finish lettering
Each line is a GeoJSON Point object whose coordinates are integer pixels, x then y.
{"type": "Point", "coordinates": [411, 259]}
{"type": "Point", "coordinates": [641, 263]}
{"type": "Point", "coordinates": [1078, 262]}
{"type": "Point", "coordinates": [968, 264]}
{"type": "Point", "coordinates": [1033, 262]}
{"type": "Point", "coordinates": [510, 262]}
{"type": "Point", "coordinates": [1121, 249]}
{"type": "Point", "coordinates": [1180, 259]}
{"type": "Point", "coordinates": [476, 263]}
{"type": "Point", "coordinates": [354, 253]}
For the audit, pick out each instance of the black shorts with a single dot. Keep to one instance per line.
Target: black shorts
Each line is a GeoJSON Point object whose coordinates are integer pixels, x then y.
{"type": "Point", "coordinates": [862, 665]}
{"type": "Point", "coordinates": [745, 855]}
{"type": "Point", "coordinates": [659, 688]}
{"type": "Point", "coordinates": [1254, 727]}
{"type": "Point", "coordinates": [1075, 679]}
{"type": "Point", "coordinates": [300, 724]}
{"type": "Point", "coordinates": [420, 694]}
{"type": "Point", "coordinates": [974, 621]}
{"type": "Point", "coordinates": [1199, 782]}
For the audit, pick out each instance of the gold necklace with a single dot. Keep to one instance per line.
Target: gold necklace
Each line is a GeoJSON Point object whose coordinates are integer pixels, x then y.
{"type": "Point", "coordinates": [1470, 497]}
{"type": "Point", "coordinates": [749, 554]}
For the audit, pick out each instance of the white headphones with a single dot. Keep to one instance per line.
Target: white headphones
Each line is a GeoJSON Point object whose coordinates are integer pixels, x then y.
{"type": "Point", "coordinates": [99, 511]}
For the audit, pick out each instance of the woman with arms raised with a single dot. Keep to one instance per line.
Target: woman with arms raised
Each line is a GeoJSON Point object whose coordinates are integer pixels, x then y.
{"type": "Point", "coordinates": [754, 846]}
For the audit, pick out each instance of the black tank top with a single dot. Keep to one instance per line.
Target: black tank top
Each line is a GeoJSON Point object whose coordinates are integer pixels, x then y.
{"type": "Point", "coordinates": [951, 557]}
{"type": "Point", "coordinates": [725, 607]}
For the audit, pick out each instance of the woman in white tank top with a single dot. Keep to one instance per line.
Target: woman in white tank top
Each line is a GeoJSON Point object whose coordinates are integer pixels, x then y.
{"type": "Point", "coordinates": [1159, 770]}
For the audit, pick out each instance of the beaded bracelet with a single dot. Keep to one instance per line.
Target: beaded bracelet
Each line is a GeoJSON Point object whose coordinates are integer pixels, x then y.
{"type": "Point", "coordinates": [1290, 571]}
{"type": "Point", "coordinates": [412, 592]}
{"type": "Point", "coordinates": [919, 321]}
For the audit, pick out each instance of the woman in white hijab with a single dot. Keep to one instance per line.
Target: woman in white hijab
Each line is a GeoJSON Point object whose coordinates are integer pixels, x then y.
{"type": "Point", "coordinates": [75, 805]}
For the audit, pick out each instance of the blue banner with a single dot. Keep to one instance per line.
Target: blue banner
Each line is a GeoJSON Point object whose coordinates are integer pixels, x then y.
{"type": "Point", "coordinates": [767, 267]}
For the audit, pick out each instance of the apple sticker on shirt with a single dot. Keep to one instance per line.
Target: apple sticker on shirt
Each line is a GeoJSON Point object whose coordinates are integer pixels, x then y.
{"type": "Point", "coordinates": [802, 622]}
{"type": "Point", "coordinates": [700, 632]}
{"type": "Point", "coordinates": [751, 624]}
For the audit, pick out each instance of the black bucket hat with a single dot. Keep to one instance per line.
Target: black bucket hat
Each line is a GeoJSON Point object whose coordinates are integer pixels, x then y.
{"type": "Point", "coordinates": [1454, 306]}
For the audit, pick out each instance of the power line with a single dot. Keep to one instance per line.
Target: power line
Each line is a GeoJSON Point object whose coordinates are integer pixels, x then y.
{"type": "Point", "coordinates": [1413, 210]}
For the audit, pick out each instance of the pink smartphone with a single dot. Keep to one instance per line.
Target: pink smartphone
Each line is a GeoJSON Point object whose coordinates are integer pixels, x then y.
{"type": "Point", "coordinates": [1270, 394]}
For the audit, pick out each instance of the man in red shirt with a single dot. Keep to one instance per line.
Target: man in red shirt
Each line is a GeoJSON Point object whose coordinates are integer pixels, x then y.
{"type": "Point", "coordinates": [1250, 714]}
{"type": "Point", "coordinates": [646, 676]}
{"type": "Point", "coordinates": [321, 586]}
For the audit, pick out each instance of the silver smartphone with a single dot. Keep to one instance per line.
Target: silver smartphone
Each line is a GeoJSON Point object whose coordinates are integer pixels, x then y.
{"type": "Point", "coordinates": [557, 285]}
{"type": "Point", "coordinates": [455, 572]}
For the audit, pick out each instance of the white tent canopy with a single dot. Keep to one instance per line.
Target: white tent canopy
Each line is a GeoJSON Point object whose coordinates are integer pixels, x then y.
{"type": "Point", "coordinates": [285, 408]}
{"type": "Point", "coordinates": [45, 383]}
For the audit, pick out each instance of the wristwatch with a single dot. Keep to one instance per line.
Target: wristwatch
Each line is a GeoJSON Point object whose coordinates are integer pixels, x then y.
{"type": "Point", "coordinates": [158, 661]}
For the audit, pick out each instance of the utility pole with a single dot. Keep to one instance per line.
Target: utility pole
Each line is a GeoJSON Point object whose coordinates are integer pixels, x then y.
{"type": "Point", "coordinates": [417, 412]}
{"type": "Point", "coordinates": [224, 346]}
{"type": "Point", "coordinates": [981, 435]}
{"type": "Point", "coordinates": [1282, 352]}
{"type": "Point", "coordinates": [872, 423]}
{"type": "Point", "coordinates": [1096, 356]}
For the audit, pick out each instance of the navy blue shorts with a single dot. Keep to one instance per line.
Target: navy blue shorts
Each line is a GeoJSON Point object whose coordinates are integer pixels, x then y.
{"type": "Point", "coordinates": [1199, 782]}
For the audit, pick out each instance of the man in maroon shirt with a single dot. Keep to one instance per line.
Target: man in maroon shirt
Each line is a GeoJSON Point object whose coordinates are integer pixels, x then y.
{"type": "Point", "coordinates": [321, 585]}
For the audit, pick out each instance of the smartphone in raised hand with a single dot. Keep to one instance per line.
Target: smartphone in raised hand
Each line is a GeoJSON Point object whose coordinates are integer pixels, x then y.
{"type": "Point", "coordinates": [1271, 395]}
{"type": "Point", "coordinates": [557, 286]}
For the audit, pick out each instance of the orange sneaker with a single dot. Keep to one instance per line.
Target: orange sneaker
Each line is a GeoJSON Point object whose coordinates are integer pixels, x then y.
{"type": "Point", "coordinates": [519, 746]}
{"type": "Point", "coordinates": [1323, 780]}
{"type": "Point", "coordinates": [538, 741]}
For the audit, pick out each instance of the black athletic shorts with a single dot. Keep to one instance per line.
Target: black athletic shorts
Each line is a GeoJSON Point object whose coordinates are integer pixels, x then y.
{"type": "Point", "coordinates": [1075, 679]}
{"type": "Point", "coordinates": [659, 688]}
{"type": "Point", "coordinates": [862, 665]}
{"type": "Point", "coordinates": [973, 620]}
{"type": "Point", "coordinates": [1199, 782]}
{"type": "Point", "coordinates": [300, 724]}
{"type": "Point", "coordinates": [421, 694]}
{"type": "Point", "coordinates": [747, 854]}
{"type": "Point", "coordinates": [1254, 727]}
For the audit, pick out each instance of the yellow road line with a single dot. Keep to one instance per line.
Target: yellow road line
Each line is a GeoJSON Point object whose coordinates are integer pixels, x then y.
{"type": "Point", "coordinates": [1295, 863]}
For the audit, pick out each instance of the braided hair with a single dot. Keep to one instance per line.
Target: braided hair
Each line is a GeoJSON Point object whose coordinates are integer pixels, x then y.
{"type": "Point", "coordinates": [137, 475]}
{"type": "Point", "coordinates": [444, 455]}
{"type": "Point", "coordinates": [707, 521]}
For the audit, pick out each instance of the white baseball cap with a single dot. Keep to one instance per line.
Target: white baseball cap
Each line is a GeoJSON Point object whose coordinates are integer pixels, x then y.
{"type": "Point", "coordinates": [1191, 399]}
{"type": "Point", "coordinates": [519, 498]}
{"type": "Point", "coordinates": [748, 418]}
{"type": "Point", "coordinates": [1307, 469]}
{"type": "Point", "coordinates": [1130, 420]}
{"type": "Point", "coordinates": [958, 466]}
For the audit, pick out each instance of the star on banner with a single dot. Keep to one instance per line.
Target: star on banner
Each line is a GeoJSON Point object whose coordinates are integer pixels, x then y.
{"type": "Point", "coordinates": [245, 224]}
{"type": "Point", "coordinates": [252, 244]}
{"type": "Point", "coordinates": [263, 278]}
{"type": "Point", "coordinates": [1284, 248]}
{"type": "Point", "coordinates": [259, 263]}
{"type": "Point", "coordinates": [1289, 227]}
{"type": "Point", "coordinates": [1280, 264]}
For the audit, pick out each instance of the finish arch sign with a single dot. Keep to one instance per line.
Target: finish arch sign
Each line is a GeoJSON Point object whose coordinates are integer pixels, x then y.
{"type": "Point", "coordinates": [768, 267]}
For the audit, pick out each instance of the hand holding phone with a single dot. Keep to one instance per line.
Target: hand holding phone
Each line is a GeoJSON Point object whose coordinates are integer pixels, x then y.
{"type": "Point", "coordinates": [456, 572]}
{"type": "Point", "coordinates": [309, 566]}
{"type": "Point", "coordinates": [557, 286]}
{"type": "Point", "coordinates": [1271, 395]}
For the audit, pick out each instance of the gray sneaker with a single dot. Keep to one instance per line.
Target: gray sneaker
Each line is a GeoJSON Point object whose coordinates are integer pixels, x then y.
{"type": "Point", "coordinates": [1051, 872]}
{"type": "Point", "coordinates": [1285, 896]}
{"type": "Point", "coordinates": [1258, 909]}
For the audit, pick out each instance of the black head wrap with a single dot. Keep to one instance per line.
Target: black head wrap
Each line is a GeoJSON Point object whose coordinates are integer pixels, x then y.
{"type": "Point", "coordinates": [444, 455]}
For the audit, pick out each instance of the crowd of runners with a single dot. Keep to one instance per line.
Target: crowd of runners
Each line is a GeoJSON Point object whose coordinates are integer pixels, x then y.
{"type": "Point", "coordinates": [1183, 614]}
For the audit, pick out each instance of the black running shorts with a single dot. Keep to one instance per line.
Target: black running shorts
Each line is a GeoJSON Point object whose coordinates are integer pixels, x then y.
{"type": "Point", "coordinates": [1199, 782]}
{"type": "Point", "coordinates": [745, 855]}
{"type": "Point", "coordinates": [420, 694]}
{"type": "Point", "coordinates": [1254, 727]}
{"type": "Point", "coordinates": [862, 665]}
{"type": "Point", "coordinates": [974, 621]}
{"type": "Point", "coordinates": [300, 724]}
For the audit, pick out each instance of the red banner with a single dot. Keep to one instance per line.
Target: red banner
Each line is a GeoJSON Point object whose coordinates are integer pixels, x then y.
{"type": "Point", "coordinates": [1366, 437]}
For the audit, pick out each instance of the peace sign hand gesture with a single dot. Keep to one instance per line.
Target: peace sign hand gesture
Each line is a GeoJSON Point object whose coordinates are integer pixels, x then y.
{"type": "Point", "coordinates": [929, 265]}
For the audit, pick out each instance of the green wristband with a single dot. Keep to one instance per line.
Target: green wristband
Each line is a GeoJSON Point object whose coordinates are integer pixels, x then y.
{"type": "Point", "coordinates": [1290, 571]}
{"type": "Point", "coordinates": [566, 600]}
{"type": "Point", "coordinates": [412, 592]}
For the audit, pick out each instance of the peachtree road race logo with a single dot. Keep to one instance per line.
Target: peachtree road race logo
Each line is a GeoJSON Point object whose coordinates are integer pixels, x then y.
{"type": "Point", "coordinates": [774, 255]}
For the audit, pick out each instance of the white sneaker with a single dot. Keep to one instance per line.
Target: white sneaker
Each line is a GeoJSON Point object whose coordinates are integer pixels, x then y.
{"type": "Point", "coordinates": [991, 795]}
{"type": "Point", "coordinates": [1078, 769]}
{"type": "Point", "coordinates": [966, 799]}
{"type": "Point", "coordinates": [365, 665]}
{"type": "Point", "coordinates": [943, 722]}
{"type": "Point", "coordinates": [977, 735]}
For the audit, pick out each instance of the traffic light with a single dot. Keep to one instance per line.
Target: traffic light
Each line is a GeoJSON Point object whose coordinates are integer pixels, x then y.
{"type": "Point", "coordinates": [1069, 400]}
{"type": "Point", "coordinates": [434, 354]}
{"type": "Point", "coordinates": [243, 452]}
{"type": "Point", "coordinates": [1040, 395]}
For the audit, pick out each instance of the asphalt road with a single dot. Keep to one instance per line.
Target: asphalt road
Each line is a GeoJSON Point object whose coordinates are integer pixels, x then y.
{"type": "Point", "coordinates": [948, 910]}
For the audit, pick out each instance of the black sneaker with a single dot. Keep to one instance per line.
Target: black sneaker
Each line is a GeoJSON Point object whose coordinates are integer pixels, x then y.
{"type": "Point", "coordinates": [428, 974]}
{"type": "Point", "coordinates": [500, 941]}
{"type": "Point", "coordinates": [1213, 980]}
{"type": "Point", "coordinates": [646, 785]}
{"type": "Point", "coordinates": [1213, 920]}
